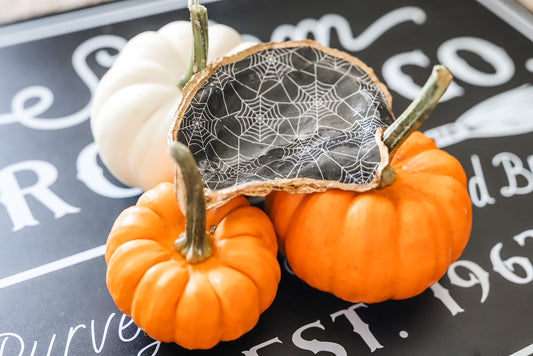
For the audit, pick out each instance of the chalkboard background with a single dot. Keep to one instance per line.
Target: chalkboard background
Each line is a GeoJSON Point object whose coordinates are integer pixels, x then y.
{"type": "Point", "coordinates": [57, 201]}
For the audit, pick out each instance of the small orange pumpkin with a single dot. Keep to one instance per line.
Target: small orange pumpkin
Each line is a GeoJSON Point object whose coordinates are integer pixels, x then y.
{"type": "Point", "coordinates": [389, 243]}
{"type": "Point", "coordinates": [194, 288]}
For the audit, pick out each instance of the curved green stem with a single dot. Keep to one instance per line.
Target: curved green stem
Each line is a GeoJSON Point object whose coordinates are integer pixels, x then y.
{"type": "Point", "coordinates": [195, 243]}
{"type": "Point", "coordinates": [200, 42]}
{"type": "Point", "coordinates": [419, 110]}
{"type": "Point", "coordinates": [414, 116]}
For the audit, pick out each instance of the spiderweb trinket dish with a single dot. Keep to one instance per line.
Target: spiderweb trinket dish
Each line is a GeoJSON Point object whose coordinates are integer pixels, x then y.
{"type": "Point", "coordinates": [293, 116]}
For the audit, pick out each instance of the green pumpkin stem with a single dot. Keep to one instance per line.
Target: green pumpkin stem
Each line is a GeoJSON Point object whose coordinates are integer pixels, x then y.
{"type": "Point", "coordinates": [414, 116]}
{"type": "Point", "coordinates": [194, 244]}
{"type": "Point", "coordinates": [419, 110]}
{"type": "Point", "coordinates": [200, 42]}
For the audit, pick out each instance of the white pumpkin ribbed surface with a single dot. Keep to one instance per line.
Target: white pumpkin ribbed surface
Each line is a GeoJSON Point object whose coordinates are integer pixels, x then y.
{"type": "Point", "coordinates": [136, 99]}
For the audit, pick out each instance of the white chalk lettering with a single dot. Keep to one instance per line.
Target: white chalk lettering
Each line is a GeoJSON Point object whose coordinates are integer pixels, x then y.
{"type": "Point", "coordinates": [19, 344]}
{"type": "Point", "coordinates": [12, 195]}
{"type": "Point", "coordinates": [477, 275]}
{"type": "Point", "coordinates": [71, 332]}
{"type": "Point", "coordinates": [444, 296]}
{"type": "Point", "coordinates": [12, 343]}
{"type": "Point", "coordinates": [98, 349]}
{"type": "Point", "coordinates": [521, 237]}
{"type": "Point", "coordinates": [321, 29]}
{"type": "Point", "coordinates": [123, 325]}
{"type": "Point", "coordinates": [496, 56]}
{"type": "Point", "coordinates": [477, 186]}
{"type": "Point", "coordinates": [514, 169]}
{"type": "Point", "coordinates": [50, 346]}
{"type": "Point", "coordinates": [403, 84]}
{"type": "Point", "coordinates": [314, 345]}
{"type": "Point", "coordinates": [254, 350]}
{"type": "Point", "coordinates": [155, 345]}
{"type": "Point", "coordinates": [359, 326]}
{"type": "Point", "coordinates": [507, 268]}
{"type": "Point", "coordinates": [30, 103]}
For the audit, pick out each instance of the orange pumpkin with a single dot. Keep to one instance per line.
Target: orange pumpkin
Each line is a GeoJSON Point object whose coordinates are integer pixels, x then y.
{"type": "Point", "coordinates": [389, 243]}
{"type": "Point", "coordinates": [195, 288]}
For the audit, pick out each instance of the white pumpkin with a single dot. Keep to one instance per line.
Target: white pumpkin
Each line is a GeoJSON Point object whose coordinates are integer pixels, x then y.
{"type": "Point", "coordinates": [135, 100]}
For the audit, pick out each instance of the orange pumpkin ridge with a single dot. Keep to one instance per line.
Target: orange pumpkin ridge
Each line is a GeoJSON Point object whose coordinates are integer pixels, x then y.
{"type": "Point", "coordinates": [193, 302]}
{"type": "Point", "coordinates": [389, 243]}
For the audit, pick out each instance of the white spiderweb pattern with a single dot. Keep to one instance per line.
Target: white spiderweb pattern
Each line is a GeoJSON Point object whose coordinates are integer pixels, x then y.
{"type": "Point", "coordinates": [286, 113]}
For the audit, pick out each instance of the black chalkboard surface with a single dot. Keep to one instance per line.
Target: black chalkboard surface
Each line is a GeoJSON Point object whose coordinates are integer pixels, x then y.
{"type": "Point", "coordinates": [58, 202]}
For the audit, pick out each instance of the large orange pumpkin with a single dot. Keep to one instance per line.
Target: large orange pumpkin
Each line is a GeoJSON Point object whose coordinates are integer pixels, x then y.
{"type": "Point", "coordinates": [194, 288]}
{"type": "Point", "coordinates": [389, 243]}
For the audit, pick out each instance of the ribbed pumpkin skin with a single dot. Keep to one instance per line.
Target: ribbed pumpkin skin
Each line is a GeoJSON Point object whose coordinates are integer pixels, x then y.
{"type": "Point", "coordinates": [389, 243]}
{"type": "Point", "coordinates": [194, 305]}
{"type": "Point", "coordinates": [134, 101]}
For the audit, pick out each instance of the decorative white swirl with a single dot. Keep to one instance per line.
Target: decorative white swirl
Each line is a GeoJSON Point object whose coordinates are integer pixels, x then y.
{"type": "Point", "coordinates": [321, 28]}
{"type": "Point", "coordinates": [506, 114]}
{"type": "Point", "coordinates": [497, 57]}
{"type": "Point", "coordinates": [42, 97]}
{"type": "Point", "coordinates": [403, 83]}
